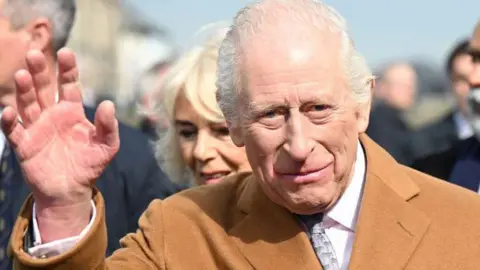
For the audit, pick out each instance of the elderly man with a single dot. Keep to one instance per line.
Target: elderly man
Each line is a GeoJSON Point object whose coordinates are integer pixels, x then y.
{"type": "Point", "coordinates": [130, 181]}
{"type": "Point", "coordinates": [297, 94]}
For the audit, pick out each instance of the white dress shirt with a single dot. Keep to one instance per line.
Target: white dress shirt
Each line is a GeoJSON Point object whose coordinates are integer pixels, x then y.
{"type": "Point", "coordinates": [464, 129]}
{"type": "Point", "coordinates": [339, 222]}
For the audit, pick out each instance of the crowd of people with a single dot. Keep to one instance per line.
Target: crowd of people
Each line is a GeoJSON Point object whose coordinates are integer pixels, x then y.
{"type": "Point", "coordinates": [276, 147]}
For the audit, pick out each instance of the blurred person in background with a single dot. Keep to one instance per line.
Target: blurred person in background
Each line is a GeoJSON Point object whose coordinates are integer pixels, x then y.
{"type": "Point", "coordinates": [152, 123]}
{"type": "Point", "coordinates": [196, 149]}
{"type": "Point", "coordinates": [451, 125]}
{"type": "Point", "coordinates": [461, 163]}
{"type": "Point", "coordinates": [132, 179]}
{"type": "Point", "coordinates": [395, 93]}
{"type": "Point", "coordinates": [459, 68]}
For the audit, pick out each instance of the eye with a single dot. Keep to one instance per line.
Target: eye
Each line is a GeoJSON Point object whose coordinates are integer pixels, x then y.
{"type": "Point", "coordinates": [476, 59]}
{"type": "Point", "coordinates": [187, 134]}
{"type": "Point", "coordinates": [475, 56]}
{"type": "Point", "coordinates": [319, 107]}
{"type": "Point", "coordinates": [316, 108]}
{"type": "Point", "coordinates": [221, 131]}
{"type": "Point", "coordinates": [269, 114]}
{"type": "Point", "coordinates": [317, 111]}
{"type": "Point", "coordinates": [273, 113]}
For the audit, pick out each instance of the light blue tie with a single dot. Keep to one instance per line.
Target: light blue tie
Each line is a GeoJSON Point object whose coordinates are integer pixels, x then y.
{"type": "Point", "coordinates": [324, 248]}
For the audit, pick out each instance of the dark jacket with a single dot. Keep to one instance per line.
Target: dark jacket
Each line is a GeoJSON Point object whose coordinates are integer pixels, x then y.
{"type": "Point", "coordinates": [389, 130]}
{"type": "Point", "coordinates": [441, 164]}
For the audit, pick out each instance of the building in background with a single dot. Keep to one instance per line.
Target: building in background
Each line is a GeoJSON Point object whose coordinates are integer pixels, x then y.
{"type": "Point", "coordinates": [115, 44]}
{"type": "Point", "coordinates": [141, 46]}
{"type": "Point", "coordinates": [94, 39]}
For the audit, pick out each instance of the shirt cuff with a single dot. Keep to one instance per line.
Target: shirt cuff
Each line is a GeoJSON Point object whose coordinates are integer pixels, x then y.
{"type": "Point", "coordinates": [57, 247]}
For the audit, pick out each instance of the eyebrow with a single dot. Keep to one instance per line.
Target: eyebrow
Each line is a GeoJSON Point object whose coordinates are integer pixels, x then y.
{"type": "Point", "coordinates": [256, 109]}
{"type": "Point", "coordinates": [474, 51]}
{"type": "Point", "coordinates": [183, 123]}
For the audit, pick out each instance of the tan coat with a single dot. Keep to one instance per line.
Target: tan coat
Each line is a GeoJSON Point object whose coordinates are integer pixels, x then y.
{"type": "Point", "coordinates": [407, 221]}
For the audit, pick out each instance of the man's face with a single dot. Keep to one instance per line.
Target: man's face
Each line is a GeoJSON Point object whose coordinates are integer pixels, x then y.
{"type": "Point", "coordinates": [461, 70]}
{"type": "Point", "coordinates": [13, 47]}
{"type": "Point", "coordinates": [400, 86]}
{"type": "Point", "coordinates": [298, 120]}
{"type": "Point", "coordinates": [474, 78]}
{"type": "Point", "coordinates": [473, 104]}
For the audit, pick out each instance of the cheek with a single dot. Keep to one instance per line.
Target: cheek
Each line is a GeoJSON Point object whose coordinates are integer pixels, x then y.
{"type": "Point", "coordinates": [262, 144]}
{"type": "Point", "coordinates": [186, 151]}
{"type": "Point", "coordinates": [338, 138]}
{"type": "Point", "coordinates": [235, 156]}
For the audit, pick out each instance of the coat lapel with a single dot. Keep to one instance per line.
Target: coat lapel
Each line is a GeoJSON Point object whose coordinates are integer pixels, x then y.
{"type": "Point", "coordinates": [389, 228]}
{"type": "Point", "coordinates": [269, 237]}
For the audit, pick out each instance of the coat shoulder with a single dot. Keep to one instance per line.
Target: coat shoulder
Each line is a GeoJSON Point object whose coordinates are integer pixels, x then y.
{"type": "Point", "coordinates": [443, 200]}
{"type": "Point", "coordinates": [217, 202]}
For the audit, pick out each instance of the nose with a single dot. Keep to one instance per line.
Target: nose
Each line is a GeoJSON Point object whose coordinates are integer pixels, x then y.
{"type": "Point", "coordinates": [203, 150]}
{"type": "Point", "coordinates": [298, 144]}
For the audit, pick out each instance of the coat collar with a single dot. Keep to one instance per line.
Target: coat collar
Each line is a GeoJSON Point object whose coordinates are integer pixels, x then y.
{"type": "Point", "coordinates": [389, 228]}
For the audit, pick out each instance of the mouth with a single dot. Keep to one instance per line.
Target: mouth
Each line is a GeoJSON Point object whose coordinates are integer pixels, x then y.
{"type": "Point", "coordinates": [306, 177]}
{"type": "Point", "coordinates": [213, 177]}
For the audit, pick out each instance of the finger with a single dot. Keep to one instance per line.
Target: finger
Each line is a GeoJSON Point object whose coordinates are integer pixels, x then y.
{"type": "Point", "coordinates": [38, 68]}
{"type": "Point", "coordinates": [68, 77]}
{"type": "Point", "coordinates": [12, 129]}
{"type": "Point", "coordinates": [27, 104]}
{"type": "Point", "coordinates": [107, 125]}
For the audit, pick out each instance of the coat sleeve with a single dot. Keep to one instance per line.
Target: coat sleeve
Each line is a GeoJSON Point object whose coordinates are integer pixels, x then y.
{"type": "Point", "coordinates": [141, 250]}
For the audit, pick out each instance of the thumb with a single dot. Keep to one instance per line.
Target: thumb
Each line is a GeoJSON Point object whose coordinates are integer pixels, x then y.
{"type": "Point", "coordinates": [107, 125]}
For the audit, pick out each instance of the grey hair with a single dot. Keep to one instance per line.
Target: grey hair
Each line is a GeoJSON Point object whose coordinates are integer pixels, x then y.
{"type": "Point", "coordinates": [60, 13]}
{"type": "Point", "coordinates": [248, 22]}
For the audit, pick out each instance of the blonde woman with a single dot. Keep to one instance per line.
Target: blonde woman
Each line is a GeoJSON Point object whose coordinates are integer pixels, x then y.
{"type": "Point", "coordinates": [197, 140]}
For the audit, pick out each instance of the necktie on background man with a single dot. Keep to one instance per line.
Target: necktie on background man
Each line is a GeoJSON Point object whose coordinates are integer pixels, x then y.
{"type": "Point", "coordinates": [6, 218]}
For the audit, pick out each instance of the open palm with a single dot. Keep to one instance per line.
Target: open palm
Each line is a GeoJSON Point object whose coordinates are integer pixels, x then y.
{"type": "Point", "coordinates": [60, 151]}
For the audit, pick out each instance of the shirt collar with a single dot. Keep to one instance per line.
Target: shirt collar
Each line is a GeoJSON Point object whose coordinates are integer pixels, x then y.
{"type": "Point", "coordinates": [464, 129]}
{"type": "Point", "coordinates": [345, 211]}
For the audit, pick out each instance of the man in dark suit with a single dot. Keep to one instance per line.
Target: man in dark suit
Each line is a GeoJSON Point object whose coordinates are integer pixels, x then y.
{"type": "Point", "coordinates": [455, 126]}
{"type": "Point", "coordinates": [132, 179]}
{"type": "Point", "coordinates": [461, 164]}
{"type": "Point", "coordinates": [396, 91]}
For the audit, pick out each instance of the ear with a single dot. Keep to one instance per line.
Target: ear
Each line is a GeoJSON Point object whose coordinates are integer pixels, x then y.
{"type": "Point", "coordinates": [363, 110]}
{"type": "Point", "coordinates": [41, 33]}
{"type": "Point", "coordinates": [236, 133]}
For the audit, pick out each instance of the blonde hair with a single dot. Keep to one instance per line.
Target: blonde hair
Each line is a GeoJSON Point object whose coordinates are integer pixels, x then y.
{"type": "Point", "coordinates": [194, 75]}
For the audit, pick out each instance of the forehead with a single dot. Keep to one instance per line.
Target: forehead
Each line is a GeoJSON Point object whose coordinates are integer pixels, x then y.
{"type": "Point", "coordinates": [284, 56]}
{"type": "Point", "coordinates": [401, 73]}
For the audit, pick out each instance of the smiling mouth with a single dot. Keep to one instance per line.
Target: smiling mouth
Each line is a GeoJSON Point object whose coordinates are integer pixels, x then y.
{"type": "Point", "coordinates": [305, 177]}
{"type": "Point", "coordinates": [213, 177]}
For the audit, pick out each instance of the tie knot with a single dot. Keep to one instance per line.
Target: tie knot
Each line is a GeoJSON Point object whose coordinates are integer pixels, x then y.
{"type": "Point", "coordinates": [318, 228]}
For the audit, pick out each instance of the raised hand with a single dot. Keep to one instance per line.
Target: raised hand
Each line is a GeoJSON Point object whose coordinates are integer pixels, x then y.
{"type": "Point", "coordinates": [60, 151]}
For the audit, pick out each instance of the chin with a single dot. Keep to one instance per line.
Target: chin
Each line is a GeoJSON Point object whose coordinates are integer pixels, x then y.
{"type": "Point", "coordinates": [311, 200]}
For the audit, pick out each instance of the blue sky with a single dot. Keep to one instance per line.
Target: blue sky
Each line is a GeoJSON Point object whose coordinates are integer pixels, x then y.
{"type": "Point", "coordinates": [383, 30]}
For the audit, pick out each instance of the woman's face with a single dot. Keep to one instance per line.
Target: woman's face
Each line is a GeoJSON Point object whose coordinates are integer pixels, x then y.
{"type": "Point", "coordinates": [206, 147]}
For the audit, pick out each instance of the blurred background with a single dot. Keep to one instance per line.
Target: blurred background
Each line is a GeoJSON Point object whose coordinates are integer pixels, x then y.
{"type": "Point", "coordinates": [125, 46]}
